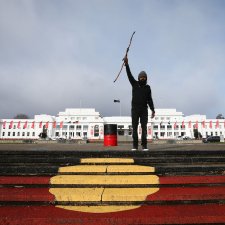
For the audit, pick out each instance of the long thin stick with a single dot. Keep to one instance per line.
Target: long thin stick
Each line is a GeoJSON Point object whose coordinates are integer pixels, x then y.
{"type": "Point", "coordinates": [125, 56]}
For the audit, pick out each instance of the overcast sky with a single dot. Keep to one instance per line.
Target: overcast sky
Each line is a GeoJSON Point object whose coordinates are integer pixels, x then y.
{"type": "Point", "coordinates": [57, 54]}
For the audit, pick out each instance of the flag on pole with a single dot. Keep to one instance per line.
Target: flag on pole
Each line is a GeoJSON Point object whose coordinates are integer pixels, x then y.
{"type": "Point", "coordinates": [40, 125]}
{"type": "Point", "coordinates": [46, 125]}
{"type": "Point", "coordinates": [175, 125]}
{"type": "Point", "coordinates": [11, 125]}
{"type": "Point", "coordinates": [182, 124]}
{"type": "Point", "coordinates": [18, 125]}
{"type": "Point", "coordinates": [210, 124]}
{"type": "Point", "coordinates": [61, 124]}
{"type": "Point", "coordinates": [4, 124]}
{"type": "Point", "coordinates": [32, 126]}
{"type": "Point", "coordinates": [203, 124]}
{"type": "Point", "coordinates": [54, 124]}
{"type": "Point", "coordinates": [25, 125]}
{"type": "Point", "coordinates": [196, 124]}
{"type": "Point", "coordinates": [217, 124]}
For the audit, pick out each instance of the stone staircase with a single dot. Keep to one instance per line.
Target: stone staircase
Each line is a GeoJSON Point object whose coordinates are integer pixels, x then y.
{"type": "Point", "coordinates": [112, 187]}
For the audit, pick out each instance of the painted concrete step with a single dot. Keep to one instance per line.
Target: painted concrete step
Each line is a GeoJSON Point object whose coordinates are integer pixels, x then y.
{"type": "Point", "coordinates": [156, 214]}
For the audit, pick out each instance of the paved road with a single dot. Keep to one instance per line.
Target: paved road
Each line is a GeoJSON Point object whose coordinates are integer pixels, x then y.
{"type": "Point", "coordinates": [101, 147]}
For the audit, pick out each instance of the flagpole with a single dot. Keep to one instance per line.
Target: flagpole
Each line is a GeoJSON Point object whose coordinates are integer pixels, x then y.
{"type": "Point", "coordinates": [120, 109]}
{"type": "Point", "coordinates": [118, 101]}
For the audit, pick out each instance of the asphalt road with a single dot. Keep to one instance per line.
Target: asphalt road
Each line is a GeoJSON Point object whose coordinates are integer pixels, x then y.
{"type": "Point", "coordinates": [119, 147]}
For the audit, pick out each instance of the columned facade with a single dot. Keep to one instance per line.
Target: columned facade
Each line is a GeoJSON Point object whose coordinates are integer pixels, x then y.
{"type": "Point", "coordinates": [86, 123]}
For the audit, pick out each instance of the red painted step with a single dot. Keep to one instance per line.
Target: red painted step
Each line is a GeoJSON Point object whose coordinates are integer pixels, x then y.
{"type": "Point", "coordinates": [50, 215]}
{"type": "Point", "coordinates": [164, 194]}
{"type": "Point", "coordinates": [191, 179]}
{"type": "Point", "coordinates": [163, 180]}
{"type": "Point", "coordinates": [24, 180]}
{"type": "Point", "coordinates": [26, 194]}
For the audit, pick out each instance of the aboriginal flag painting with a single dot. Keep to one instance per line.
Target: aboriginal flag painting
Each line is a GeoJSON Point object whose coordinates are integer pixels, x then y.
{"type": "Point", "coordinates": [109, 187]}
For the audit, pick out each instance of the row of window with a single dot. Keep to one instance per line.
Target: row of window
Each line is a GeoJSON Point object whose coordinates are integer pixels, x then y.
{"type": "Point", "coordinates": [176, 134]}
{"type": "Point", "coordinates": [18, 134]}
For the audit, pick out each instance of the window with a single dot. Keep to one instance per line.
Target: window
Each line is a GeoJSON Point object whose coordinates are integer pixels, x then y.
{"type": "Point", "coordinates": [18, 134]}
{"type": "Point", "coordinates": [28, 134]}
{"type": "Point", "coordinates": [120, 130]}
{"type": "Point", "coordinates": [33, 134]}
{"type": "Point", "coordinates": [14, 134]}
{"type": "Point", "coordinates": [155, 127]}
{"type": "Point", "coordinates": [3, 134]}
{"type": "Point", "coordinates": [85, 127]}
{"type": "Point", "coordinates": [72, 127]}
{"type": "Point", "coordinates": [9, 133]}
{"type": "Point", "coordinates": [96, 131]}
{"type": "Point", "coordinates": [162, 134]}
{"type": "Point", "coordinates": [78, 127]}
{"type": "Point", "coordinates": [57, 134]}
{"type": "Point", "coordinates": [23, 134]}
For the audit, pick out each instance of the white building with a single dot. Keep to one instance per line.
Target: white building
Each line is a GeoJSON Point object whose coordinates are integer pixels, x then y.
{"type": "Point", "coordinates": [87, 123]}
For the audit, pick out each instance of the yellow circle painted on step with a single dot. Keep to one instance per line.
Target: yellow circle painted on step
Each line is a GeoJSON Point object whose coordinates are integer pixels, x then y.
{"type": "Point", "coordinates": [101, 195]}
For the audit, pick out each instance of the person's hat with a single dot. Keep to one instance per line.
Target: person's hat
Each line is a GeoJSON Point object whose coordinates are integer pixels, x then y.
{"type": "Point", "coordinates": [142, 74]}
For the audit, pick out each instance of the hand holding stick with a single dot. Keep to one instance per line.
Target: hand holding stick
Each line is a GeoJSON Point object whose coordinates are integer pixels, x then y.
{"type": "Point", "coordinates": [125, 57]}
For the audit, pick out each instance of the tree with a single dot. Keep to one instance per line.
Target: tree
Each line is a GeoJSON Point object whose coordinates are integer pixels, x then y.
{"type": "Point", "coordinates": [220, 116]}
{"type": "Point", "coordinates": [21, 116]}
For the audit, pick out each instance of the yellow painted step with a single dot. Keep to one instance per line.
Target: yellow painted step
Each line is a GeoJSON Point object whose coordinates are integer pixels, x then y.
{"type": "Point", "coordinates": [84, 168]}
{"type": "Point", "coordinates": [100, 209]}
{"type": "Point", "coordinates": [129, 168]}
{"type": "Point", "coordinates": [77, 194]}
{"type": "Point", "coordinates": [107, 160]}
{"type": "Point", "coordinates": [104, 179]}
{"type": "Point", "coordinates": [127, 194]}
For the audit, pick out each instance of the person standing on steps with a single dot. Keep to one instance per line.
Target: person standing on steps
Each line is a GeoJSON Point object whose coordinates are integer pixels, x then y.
{"type": "Point", "coordinates": [141, 99]}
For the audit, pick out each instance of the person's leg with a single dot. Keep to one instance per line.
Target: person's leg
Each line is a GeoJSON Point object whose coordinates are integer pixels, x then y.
{"type": "Point", "coordinates": [135, 120]}
{"type": "Point", "coordinates": [144, 121]}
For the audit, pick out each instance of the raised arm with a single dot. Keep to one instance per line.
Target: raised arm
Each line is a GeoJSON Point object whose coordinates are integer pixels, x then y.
{"type": "Point", "coordinates": [129, 74]}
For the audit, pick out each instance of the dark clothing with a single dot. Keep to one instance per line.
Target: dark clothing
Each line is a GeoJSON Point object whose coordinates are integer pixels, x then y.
{"type": "Point", "coordinates": [141, 113]}
{"type": "Point", "coordinates": [141, 98]}
{"type": "Point", "coordinates": [141, 95]}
